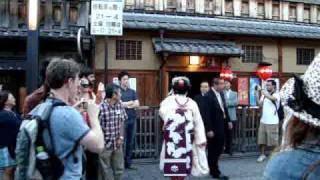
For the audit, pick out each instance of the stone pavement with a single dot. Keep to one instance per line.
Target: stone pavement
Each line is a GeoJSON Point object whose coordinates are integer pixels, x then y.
{"type": "Point", "coordinates": [236, 169]}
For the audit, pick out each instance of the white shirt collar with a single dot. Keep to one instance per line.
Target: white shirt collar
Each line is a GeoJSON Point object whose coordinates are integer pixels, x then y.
{"type": "Point", "coordinates": [216, 92]}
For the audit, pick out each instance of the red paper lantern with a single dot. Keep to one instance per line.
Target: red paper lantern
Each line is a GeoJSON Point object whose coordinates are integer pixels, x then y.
{"type": "Point", "coordinates": [264, 72]}
{"type": "Point", "coordinates": [226, 74]}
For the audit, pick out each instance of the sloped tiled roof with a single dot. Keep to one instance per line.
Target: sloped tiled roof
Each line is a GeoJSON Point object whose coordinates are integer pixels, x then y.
{"type": "Point", "coordinates": [305, 1]}
{"type": "Point", "coordinates": [54, 34]}
{"type": "Point", "coordinates": [221, 25]}
{"type": "Point", "coordinates": [194, 46]}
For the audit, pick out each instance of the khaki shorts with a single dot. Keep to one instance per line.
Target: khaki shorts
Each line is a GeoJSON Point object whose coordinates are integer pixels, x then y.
{"type": "Point", "coordinates": [268, 134]}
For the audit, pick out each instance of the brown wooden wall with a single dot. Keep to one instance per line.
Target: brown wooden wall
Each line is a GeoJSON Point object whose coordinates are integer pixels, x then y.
{"type": "Point", "coordinates": [148, 89]}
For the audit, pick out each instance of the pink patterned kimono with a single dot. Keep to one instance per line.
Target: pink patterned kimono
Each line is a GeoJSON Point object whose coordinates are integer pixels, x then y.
{"type": "Point", "coordinates": [183, 130]}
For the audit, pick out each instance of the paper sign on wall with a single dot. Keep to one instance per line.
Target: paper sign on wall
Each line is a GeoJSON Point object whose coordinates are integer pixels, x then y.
{"type": "Point", "coordinates": [133, 83]}
{"type": "Point", "coordinates": [106, 17]}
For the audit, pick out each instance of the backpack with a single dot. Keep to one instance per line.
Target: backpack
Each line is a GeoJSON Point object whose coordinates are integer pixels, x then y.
{"type": "Point", "coordinates": [32, 135]}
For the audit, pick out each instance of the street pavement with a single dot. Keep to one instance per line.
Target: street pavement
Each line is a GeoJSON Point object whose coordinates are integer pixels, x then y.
{"type": "Point", "coordinates": [237, 169]}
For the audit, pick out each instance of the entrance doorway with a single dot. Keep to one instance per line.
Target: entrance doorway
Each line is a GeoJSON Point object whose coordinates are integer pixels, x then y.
{"type": "Point", "coordinates": [195, 78]}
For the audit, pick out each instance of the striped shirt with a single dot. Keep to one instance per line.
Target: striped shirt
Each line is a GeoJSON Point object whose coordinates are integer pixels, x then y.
{"type": "Point", "coordinates": [111, 118]}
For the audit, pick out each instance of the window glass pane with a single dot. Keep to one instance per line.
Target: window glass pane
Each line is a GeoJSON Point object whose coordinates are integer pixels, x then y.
{"type": "Point", "coordinates": [245, 8]}
{"type": "Point", "coordinates": [252, 54]}
{"type": "Point", "coordinates": [128, 50]}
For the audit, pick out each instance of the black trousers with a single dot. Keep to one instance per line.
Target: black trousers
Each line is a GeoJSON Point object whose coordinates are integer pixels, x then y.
{"type": "Point", "coordinates": [215, 148]}
{"type": "Point", "coordinates": [228, 136]}
{"type": "Point", "coordinates": [92, 165]}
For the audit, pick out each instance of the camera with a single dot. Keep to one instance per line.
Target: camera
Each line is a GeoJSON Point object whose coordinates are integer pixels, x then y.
{"type": "Point", "coordinates": [257, 88]}
{"type": "Point", "coordinates": [84, 83]}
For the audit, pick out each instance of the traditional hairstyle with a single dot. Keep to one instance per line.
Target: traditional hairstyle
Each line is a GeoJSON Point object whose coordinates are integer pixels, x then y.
{"type": "Point", "coordinates": [181, 85]}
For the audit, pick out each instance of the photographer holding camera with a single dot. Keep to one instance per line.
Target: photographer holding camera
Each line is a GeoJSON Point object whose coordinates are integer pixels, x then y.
{"type": "Point", "coordinates": [268, 133]}
{"type": "Point", "coordinates": [86, 97]}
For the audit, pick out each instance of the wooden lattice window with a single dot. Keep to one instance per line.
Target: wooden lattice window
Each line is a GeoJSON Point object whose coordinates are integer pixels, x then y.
{"type": "Point", "coordinates": [261, 9]}
{"type": "Point", "coordinates": [56, 12]}
{"type": "Point", "coordinates": [128, 50]}
{"type": "Point", "coordinates": [129, 4]}
{"type": "Point", "coordinates": [306, 14]}
{"type": "Point", "coordinates": [245, 8]}
{"type": "Point", "coordinates": [73, 13]}
{"type": "Point", "coordinates": [229, 7]}
{"type": "Point", "coordinates": [252, 54]}
{"type": "Point", "coordinates": [191, 6]}
{"type": "Point", "coordinates": [276, 11]}
{"type": "Point", "coordinates": [208, 6]}
{"type": "Point", "coordinates": [318, 14]}
{"type": "Point", "coordinates": [305, 56]}
{"type": "Point", "coordinates": [22, 12]}
{"type": "Point", "coordinates": [149, 4]}
{"type": "Point", "coordinates": [293, 12]}
{"type": "Point", "coordinates": [171, 4]}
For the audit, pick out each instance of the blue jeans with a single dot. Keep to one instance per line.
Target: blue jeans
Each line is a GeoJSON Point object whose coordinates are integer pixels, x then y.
{"type": "Point", "coordinates": [129, 141]}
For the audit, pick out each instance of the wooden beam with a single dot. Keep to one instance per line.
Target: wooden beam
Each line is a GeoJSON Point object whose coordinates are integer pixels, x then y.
{"type": "Point", "coordinates": [48, 15]}
{"type": "Point", "coordinates": [285, 11]}
{"type": "Point", "coordinates": [83, 19]}
{"type": "Point", "coordinates": [300, 12]}
{"type": "Point", "coordinates": [280, 57]}
{"type": "Point", "coordinates": [219, 6]}
{"type": "Point", "coordinates": [314, 14]}
{"type": "Point", "coordinates": [4, 13]}
{"type": "Point", "coordinates": [14, 13]}
{"type": "Point", "coordinates": [199, 5]}
{"type": "Point", "coordinates": [237, 7]}
{"type": "Point", "coordinates": [159, 5]}
{"type": "Point", "coordinates": [65, 7]}
{"type": "Point", "coordinates": [253, 8]}
{"type": "Point", "coordinates": [268, 9]}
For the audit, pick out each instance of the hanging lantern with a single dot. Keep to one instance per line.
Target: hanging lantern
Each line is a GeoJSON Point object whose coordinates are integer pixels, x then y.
{"type": "Point", "coordinates": [226, 73]}
{"type": "Point", "coordinates": [264, 71]}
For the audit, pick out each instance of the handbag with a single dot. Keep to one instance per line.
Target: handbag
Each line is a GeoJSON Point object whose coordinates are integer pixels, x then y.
{"type": "Point", "coordinates": [200, 165]}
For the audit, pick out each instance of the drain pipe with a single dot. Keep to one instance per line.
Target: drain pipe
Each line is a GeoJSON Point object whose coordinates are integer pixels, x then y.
{"type": "Point", "coordinates": [164, 57]}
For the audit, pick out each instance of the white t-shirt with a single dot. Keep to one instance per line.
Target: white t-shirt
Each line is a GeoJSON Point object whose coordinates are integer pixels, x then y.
{"type": "Point", "coordinates": [269, 111]}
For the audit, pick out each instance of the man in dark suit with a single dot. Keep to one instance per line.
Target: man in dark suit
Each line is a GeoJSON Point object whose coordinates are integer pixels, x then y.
{"type": "Point", "coordinates": [201, 99]}
{"type": "Point", "coordinates": [215, 120]}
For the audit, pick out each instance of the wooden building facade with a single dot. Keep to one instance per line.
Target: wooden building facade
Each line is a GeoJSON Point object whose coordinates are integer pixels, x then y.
{"type": "Point", "coordinates": [60, 21]}
{"type": "Point", "coordinates": [161, 36]}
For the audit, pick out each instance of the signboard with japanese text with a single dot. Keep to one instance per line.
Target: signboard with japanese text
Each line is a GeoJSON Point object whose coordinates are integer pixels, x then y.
{"type": "Point", "coordinates": [106, 17]}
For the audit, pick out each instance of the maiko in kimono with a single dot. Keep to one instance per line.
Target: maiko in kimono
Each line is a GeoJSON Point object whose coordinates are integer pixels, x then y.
{"type": "Point", "coordinates": [184, 139]}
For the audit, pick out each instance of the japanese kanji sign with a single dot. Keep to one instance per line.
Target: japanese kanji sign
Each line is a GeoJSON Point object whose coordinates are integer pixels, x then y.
{"type": "Point", "coordinates": [106, 17]}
